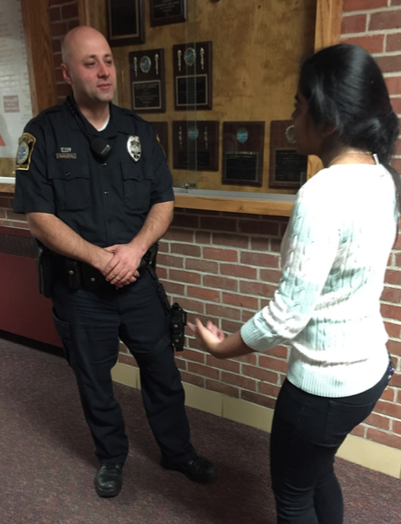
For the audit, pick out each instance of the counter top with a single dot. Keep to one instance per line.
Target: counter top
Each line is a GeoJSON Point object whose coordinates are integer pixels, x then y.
{"type": "Point", "coordinates": [227, 201]}
{"type": "Point", "coordinates": [235, 202]}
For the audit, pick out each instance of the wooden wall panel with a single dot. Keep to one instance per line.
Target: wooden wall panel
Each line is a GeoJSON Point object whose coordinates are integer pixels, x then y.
{"type": "Point", "coordinates": [328, 22]}
{"type": "Point", "coordinates": [328, 32]}
{"type": "Point", "coordinates": [38, 40]}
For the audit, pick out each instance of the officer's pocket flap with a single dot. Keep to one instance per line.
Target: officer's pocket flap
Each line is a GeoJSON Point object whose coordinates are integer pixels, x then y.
{"type": "Point", "coordinates": [71, 182]}
{"type": "Point", "coordinates": [137, 188]}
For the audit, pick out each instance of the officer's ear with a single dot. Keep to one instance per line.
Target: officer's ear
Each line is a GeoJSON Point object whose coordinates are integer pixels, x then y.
{"type": "Point", "coordinates": [66, 73]}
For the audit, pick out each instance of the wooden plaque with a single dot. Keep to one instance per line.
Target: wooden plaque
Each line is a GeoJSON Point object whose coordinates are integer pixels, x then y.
{"type": "Point", "coordinates": [193, 76]}
{"type": "Point", "coordinates": [287, 167]}
{"type": "Point", "coordinates": [125, 22]}
{"type": "Point", "coordinates": [196, 145]}
{"type": "Point", "coordinates": [148, 93]}
{"type": "Point", "coordinates": [243, 146]}
{"type": "Point", "coordinates": [163, 12]}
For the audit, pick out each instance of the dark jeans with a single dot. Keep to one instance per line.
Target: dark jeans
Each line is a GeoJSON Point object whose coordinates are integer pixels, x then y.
{"type": "Point", "coordinates": [307, 432]}
{"type": "Point", "coordinates": [90, 325]}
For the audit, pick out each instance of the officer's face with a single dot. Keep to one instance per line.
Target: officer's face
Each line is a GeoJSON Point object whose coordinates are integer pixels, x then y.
{"type": "Point", "coordinates": [89, 68]}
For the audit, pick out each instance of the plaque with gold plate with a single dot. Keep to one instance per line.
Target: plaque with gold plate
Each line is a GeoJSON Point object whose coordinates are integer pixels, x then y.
{"type": "Point", "coordinates": [147, 81]}
{"type": "Point", "coordinates": [196, 145]}
{"type": "Point", "coordinates": [243, 145]}
{"type": "Point", "coordinates": [193, 76]}
{"type": "Point", "coordinates": [287, 167]}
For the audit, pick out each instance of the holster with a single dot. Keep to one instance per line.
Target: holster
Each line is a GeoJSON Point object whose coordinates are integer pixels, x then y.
{"type": "Point", "coordinates": [46, 269]}
{"type": "Point", "coordinates": [177, 326]}
{"type": "Point", "coordinates": [178, 317]}
{"type": "Point", "coordinates": [150, 257]}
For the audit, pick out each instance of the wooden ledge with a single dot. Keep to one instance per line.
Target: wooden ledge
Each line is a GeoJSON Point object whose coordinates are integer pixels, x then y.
{"type": "Point", "coordinates": [234, 205]}
{"type": "Point", "coordinates": [7, 188]}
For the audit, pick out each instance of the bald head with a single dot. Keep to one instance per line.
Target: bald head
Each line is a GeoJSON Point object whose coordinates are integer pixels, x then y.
{"type": "Point", "coordinates": [81, 36]}
{"type": "Point", "coordinates": [88, 66]}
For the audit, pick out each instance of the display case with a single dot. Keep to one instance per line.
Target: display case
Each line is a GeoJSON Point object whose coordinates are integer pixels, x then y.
{"type": "Point", "coordinates": [217, 79]}
{"type": "Point", "coordinates": [230, 76]}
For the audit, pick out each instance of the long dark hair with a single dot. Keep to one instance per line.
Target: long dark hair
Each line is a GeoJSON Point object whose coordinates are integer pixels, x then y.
{"type": "Point", "coordinates": [345, 89]}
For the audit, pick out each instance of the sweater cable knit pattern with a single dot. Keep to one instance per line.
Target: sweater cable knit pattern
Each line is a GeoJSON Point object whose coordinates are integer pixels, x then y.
{"type": "Point", "coordinates": [327, 305]}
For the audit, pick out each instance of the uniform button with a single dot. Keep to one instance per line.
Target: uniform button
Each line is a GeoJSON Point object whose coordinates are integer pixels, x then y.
{"type": "Point", "coordinates": [105, 164]}
{"type": "Point", "coordinates": [106, 192]}
{"type": "Point", "coordinates": [67, 174]}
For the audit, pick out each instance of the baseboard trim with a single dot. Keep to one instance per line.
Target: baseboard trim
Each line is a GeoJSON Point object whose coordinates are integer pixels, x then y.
{"type": "Point", "coordinates": [355, 449]}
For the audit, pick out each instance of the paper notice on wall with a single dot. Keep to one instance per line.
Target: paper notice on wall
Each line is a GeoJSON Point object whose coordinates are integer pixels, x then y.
{"type": "Point", "coordinates": [15, 98]}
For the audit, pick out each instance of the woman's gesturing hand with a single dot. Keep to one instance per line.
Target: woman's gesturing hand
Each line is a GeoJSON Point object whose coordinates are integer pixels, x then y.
{"type": "Point", "coordinates": [215, 342]}
{"type": "Point", "coordinates": [210, 336]}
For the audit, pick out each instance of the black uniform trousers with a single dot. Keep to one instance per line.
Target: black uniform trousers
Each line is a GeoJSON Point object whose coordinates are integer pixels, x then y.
{"type": "Point", "coordinates": [90, 324]}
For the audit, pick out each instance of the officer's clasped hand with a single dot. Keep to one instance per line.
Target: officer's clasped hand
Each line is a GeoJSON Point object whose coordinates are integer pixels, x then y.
{"type": "Point", "coordinates": [123, 267]}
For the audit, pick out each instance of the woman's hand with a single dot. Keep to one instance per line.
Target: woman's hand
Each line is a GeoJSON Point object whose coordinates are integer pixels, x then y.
{"type": "Point", "coordinates": [215, 342]}
{"type": "Point", "coordinates": [210, 336]}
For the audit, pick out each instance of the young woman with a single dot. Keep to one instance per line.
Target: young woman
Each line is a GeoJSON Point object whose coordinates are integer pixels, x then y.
{"type": "Point", "coordinates": [327, 305]}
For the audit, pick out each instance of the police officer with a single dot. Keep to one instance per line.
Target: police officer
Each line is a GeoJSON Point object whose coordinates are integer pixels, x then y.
{"type": "Point", "coordinates": [94, 183]}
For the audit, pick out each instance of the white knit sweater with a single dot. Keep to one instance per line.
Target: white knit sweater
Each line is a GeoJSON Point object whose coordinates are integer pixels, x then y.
{"type": "Point", "coordinates": [335, 252]}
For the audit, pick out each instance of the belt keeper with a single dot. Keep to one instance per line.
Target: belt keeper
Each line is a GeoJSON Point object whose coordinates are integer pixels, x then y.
{"type": "Point", "coordinates": [73, 273]}
{"type": "Point", "coordinates": [92, 277]}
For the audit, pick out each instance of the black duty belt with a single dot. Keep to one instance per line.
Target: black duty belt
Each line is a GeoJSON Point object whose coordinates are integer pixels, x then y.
{"type": "Point", "coordinates": [80, 274]}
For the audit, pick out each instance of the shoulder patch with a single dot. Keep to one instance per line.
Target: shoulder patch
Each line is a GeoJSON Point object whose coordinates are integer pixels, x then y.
{"type": "Point", "coordinates": [26, 143]}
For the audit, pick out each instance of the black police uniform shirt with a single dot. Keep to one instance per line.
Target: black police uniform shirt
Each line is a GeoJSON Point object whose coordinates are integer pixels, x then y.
{"type": "Point", "coordinates": [106, 203]}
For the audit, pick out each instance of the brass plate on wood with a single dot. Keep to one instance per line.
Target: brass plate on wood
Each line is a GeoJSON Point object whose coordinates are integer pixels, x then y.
{"type": "Point", "coordinates": [196, 145]}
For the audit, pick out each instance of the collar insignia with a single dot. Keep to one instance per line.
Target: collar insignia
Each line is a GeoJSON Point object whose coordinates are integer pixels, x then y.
{"type": "Point", "coordinates": [134, 147]}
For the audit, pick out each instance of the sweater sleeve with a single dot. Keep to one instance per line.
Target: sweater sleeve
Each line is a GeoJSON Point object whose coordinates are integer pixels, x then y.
{"type": "Point", "coordinates": [312, 240]}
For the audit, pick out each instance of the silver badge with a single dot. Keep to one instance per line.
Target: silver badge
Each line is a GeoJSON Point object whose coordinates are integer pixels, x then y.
{"type": "Point", "coordinates": [134, 147]}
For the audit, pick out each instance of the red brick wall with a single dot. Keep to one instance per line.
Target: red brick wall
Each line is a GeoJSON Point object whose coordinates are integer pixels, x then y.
{"type": "Point", "coordinates": [224, 266]}
{"type": "Point", "coordinates": [376, 26]}
{"type": "Point", "coordinates": [7, 216]}
{"type": "Point", "coordinates": [63, 17]}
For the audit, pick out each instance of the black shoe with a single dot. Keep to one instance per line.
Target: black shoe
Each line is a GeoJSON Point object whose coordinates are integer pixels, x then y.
{"type": "Point", "coordinates": [109, 480]}
{"type": "Point", "coordinates": [199, 469]}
